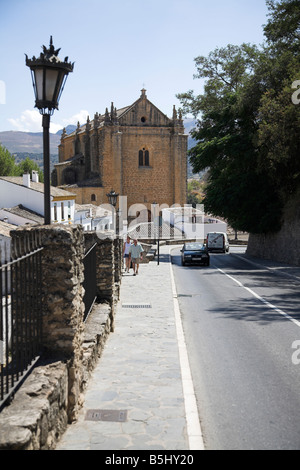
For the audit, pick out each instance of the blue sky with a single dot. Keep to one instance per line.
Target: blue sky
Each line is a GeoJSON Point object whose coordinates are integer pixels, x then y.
{"type": "Point", "coordinates": [118, 47]}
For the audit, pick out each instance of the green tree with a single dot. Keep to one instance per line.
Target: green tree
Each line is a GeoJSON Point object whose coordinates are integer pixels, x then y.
{"type": "Point", "coordinates": [193, 199]}
{"type": "Point", "coordinates": [194, 192]}
{"type": "Point", "coordinates": [283, 28]}
{"type": "Point", "coordinates": [7, 163]}
{"type": "Point", "coordinates": [27, 166]}
{"type": "Point", "coordinates": [194, 185]}
{"type": "Point", "coordinates": [239, 126]}
{"type": "Point", "coordinates": [279, 117]}
{"type": "Point", "coordinates": [226, 135]}
{"type": "Point", "coordinates": [278, 138]}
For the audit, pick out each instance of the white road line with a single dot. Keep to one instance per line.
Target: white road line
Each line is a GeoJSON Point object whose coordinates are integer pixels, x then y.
{"type": "Point", "coordinates": [268, 304]}
{"type": "Point", "coordinates": [193, 423]}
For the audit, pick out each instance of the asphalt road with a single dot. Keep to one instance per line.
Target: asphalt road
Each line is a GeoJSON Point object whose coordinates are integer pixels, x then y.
{"type": "Point", "coordinates": [241, 322]}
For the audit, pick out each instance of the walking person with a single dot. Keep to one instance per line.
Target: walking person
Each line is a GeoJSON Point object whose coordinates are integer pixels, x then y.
{"type": "Point", "coordinates": [136, 252]}
{"type": "Point", "coordinates": [126, 254]}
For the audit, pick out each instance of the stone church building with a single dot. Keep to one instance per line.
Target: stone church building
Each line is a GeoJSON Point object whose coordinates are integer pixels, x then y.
{"type": "Point", "coordinates": [137, 151]}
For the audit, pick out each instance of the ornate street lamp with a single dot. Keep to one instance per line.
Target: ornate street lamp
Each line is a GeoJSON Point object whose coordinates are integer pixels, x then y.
{"type": "Point", "coordinates": [113, 198]}
{"type": "Point", "coordinates": [49, 75]}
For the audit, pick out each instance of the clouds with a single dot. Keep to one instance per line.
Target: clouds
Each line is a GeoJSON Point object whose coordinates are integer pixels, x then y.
{"type": "Point", "coordinates": [31, 121]}
{"type": "Point", "coordinates": [79, 117]}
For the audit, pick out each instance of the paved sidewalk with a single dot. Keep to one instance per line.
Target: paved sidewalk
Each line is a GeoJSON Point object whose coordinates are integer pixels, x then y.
{"type": "Point", "coordinates": [140, 373]}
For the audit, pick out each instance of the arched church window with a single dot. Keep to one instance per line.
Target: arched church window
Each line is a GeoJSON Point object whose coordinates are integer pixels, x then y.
{"type": "Point", "coordinates": [141, 158]}
{"type": "Point", "coordinates": [144, 159]}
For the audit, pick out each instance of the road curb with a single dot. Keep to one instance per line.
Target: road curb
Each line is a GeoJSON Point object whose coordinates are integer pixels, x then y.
{"type": "Point", "coordinates": [194, 431]}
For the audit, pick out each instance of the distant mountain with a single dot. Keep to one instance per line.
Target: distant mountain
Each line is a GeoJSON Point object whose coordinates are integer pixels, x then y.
{"type": "Point", "coordinates": [189, 125]}
{"type": "Point", "coordinates": [69, 129]}
{"type": "Point", "coordinates": [31, 142]}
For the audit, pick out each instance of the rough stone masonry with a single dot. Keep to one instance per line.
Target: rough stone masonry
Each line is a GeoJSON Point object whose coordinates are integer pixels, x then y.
{"type": "Point", "coordinates": [53, 393]}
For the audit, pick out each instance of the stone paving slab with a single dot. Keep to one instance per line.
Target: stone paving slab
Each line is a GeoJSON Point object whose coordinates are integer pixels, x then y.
{"type": "Point", "coordinates": [139, 372]}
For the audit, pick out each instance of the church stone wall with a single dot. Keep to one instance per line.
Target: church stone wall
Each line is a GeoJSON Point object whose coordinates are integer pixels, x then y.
{"type": "Point", "coordinates": [110, 147]}
{"type": "Point", "coordinates": [145, 184]}
{"type": "Point", "coordinates": [144, 113]}
{"type": "Point", "coordinates": [88, 195]}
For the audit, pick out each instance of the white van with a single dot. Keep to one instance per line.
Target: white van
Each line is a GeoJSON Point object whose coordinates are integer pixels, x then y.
{"type": "Point", "coordinates": [217, 241]}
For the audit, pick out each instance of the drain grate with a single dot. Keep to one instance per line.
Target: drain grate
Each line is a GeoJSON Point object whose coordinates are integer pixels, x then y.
{"type": "Point", "coordinates": [106, 415]}
{"type": "Point", "coordinates": [189, 296]}
{"type": "Point", "coordinates": [136, 306]}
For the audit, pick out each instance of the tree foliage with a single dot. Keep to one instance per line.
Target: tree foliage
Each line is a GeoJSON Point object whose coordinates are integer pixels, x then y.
{"type": "Point", "coordinates": [195, 192]}
{"type": "Point", "coordinates": [8, 166]}
{"type": "Point", "coordinates": [248, 128]}
{"type": "Point", "coordinates": [283, 28]}
{"type": "Point", "coordinates": [7, 163]}
{"type": "Point", "coordinates": [28, 166]}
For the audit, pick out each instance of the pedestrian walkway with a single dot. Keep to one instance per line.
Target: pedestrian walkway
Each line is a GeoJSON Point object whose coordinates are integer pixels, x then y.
{"type": "Point", "coordinates": [142, 379]}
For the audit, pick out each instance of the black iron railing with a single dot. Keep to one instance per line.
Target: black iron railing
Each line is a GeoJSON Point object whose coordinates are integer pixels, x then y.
{"type": "Point", "coordinates": [20, 312]}
{"type": "Point", "coordinates": [90, 281]}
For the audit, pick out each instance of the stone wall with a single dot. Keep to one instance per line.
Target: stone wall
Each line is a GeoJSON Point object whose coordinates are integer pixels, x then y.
{"type": "Point", "coordinates": [52, 395]}
{"type": "Point", "coordinates": [282, 246]}
{"type": "Point", "coordinates": [89, 195]}
{"type": "Point", "coordinates": [109, 268]}
{"type": "Point", "coordinates": [38, 415]}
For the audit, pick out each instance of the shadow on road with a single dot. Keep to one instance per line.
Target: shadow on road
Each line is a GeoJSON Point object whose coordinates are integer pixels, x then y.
{"type": "Point", "coordinates": [279, 290]}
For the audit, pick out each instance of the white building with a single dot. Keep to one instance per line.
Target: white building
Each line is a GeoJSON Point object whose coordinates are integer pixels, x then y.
{"type": "Point", "coordinates": [16, 191]}
{"type": "Point", "coordinates": [22, 202]}
{"type": "Point", "coordinates": [93, 217]}
{"type": "Point", "coordinates": [20, 215]}
{"type": "Point", "coordinates": [193, 223]}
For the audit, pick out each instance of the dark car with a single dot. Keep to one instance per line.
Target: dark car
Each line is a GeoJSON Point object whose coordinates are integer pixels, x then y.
{"type": "Point", "coordinates": [195, 253]}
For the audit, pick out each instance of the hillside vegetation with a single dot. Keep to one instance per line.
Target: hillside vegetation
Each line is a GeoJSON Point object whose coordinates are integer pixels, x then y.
{"type": "Point", "coordinates": [10, 167]}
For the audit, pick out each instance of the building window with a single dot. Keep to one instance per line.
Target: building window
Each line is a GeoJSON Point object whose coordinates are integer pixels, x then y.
{"type": "Point", "coordinates": [144, 158]}
{"type": "Point", "coordinates": [93, 197]}
{"type": "Point", "coordinates": [62, 211]}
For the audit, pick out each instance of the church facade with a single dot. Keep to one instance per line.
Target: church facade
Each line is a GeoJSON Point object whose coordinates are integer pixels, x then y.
{"type": "Point", "coordinates": [137, 151]}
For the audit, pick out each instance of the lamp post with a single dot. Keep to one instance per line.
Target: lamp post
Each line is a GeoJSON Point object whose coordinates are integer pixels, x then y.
{"type": "Point", "coordinates": [49, 75]}
{"type": "Point", "coordinates": [113, 198]}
